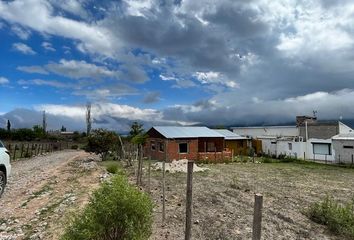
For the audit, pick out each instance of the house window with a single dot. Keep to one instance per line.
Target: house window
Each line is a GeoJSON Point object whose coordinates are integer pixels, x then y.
{"type": "Point", "coordinates": [290, 146]}
{"type": "Point", "coordinates": [161, 147]}
{"type": "Point", "coordinates": [183, 148]}
{"type": "Point", "coordinates": [153, 146]}
{"type": "Point", "coordinates": [322, 148]}
{"type": "Point", "coordinates": [348, 147]}
{"type": "Point", "coordinates": [210, 147]}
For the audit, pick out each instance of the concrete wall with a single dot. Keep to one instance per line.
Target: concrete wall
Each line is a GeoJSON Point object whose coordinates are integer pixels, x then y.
{"type": "Point", "coordinates": [344, 128]}
{"type": "Point", "coordinates": [319, 131]}
{"type": "Point", "coordinates": [277, 131]}
{"type": "Point", "coordinates": [298, 149]}
{"type": "Point", "coordinates": [343, 155]}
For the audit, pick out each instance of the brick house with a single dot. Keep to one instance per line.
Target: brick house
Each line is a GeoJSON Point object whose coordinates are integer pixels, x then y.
{"type": "Point", "coordinates": [193, 143]}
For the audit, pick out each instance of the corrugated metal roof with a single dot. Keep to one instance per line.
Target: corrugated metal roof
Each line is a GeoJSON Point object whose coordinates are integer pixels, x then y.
{"type": "Point", "coordinates": [344, 136]}
{"type": "Point", "coordinates": [262, 127]}
{"type": "Point", "coordinates": [229, 135]}
{"type": "Point", "coordinates": [186, 132]}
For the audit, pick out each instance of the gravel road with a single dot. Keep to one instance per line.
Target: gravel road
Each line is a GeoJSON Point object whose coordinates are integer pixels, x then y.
{"type": "Point", "coordinates": [43, 190]}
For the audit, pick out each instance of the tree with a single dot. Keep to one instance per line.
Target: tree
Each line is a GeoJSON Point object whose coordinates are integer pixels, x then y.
{"type": "Point", "coordinates": [8, 126]}
{"type": "Point", "coordinates": [136, 129]}
{"type": "Point", "coordinates": [38, 131]}
{"type": "Point", "coordinates": [102, 142]}
{"type": "Point", "coordinates": [63, 129]}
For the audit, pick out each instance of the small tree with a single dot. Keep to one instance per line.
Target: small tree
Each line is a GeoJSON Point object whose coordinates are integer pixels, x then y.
{"type": "Point", "coordinates": [136, 129]}
{"type": "Point", "coordinates": [102, 142]}
{"type": "Point", "coordinates": [63, 129]}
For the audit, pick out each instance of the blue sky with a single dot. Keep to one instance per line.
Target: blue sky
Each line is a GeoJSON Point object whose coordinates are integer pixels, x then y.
{"type": "Point", "coordinates": [176, 62]}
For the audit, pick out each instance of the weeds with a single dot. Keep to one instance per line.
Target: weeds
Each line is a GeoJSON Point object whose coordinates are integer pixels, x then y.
{"type": "Point", "coordinates": [339, 218]}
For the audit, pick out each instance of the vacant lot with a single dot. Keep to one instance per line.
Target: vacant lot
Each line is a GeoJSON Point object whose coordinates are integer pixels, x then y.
{"type": "Point", "coordinates": [223, 200]}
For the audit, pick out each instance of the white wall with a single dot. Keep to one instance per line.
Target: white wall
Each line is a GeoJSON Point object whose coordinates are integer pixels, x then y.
{"type": "Point", "coordinates": [277, 131]}
{"type": "Point", "coordinates": [344, 128]}
{"type": "Point", "coordinates": [343, 155]}
{"type": "Point", "coordinates": [298, 149]}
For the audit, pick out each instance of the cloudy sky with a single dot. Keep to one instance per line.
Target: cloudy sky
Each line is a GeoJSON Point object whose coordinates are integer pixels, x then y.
{"type": "Point", "coordinates": [215, 62]}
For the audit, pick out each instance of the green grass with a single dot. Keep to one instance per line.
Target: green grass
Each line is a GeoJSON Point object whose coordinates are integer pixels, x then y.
{"type": "Point", "coordinates": [112, 166]}
{"type": "Point", "coordinates": [339, 218]}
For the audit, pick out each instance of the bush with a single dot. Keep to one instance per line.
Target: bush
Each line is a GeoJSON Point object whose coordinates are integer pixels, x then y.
{"type": "Point", "coordinates": [75, 147]}
{"type": "Point", "coordinates": [102, 142]}
{"type": "Point", "coordinates": [338, 217]}
{"type": "Point", "coordinates": [116, 210]}
{"type": "Point", "coordinates": [112, 168]}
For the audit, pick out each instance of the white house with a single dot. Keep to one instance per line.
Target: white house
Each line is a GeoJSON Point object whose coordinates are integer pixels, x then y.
{"type": "Point", "coordinates": [308, 140]}
{"type": "Point", "coordinates": [343, 145]}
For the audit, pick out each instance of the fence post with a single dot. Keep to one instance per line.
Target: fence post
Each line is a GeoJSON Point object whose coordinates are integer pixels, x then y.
{"type": "Point", "coordinates": [15, 148]}
{"type": "Point", "coordinates": [326, 158]}
{"type": "Point", "coordinates": [352, 159]}
{"type": "Point", "coordinates": [163, 194]}
{"type": "Point", "coordinates": [149, 175]}
{"type": "Point", "coordinates": [189, 200]}
{"type": "Point", "coordinates": [27, 153]}
{"type": "Point", "coordinates": [257, 217]}
{"type": "Point", "coordinates": [21, 155]}
{"type": "Point", "coordinates": [339, 158]}
{"type": "Point", "coordinates": [304, 156]}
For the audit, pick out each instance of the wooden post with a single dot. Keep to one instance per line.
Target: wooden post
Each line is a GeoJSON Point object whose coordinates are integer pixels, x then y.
{"type": "Point", "coordinates": [304, 156]}
{"type": "Point", "coordinates": [141, 164]}
{"type": "Point", "coordinates": [138, 170]}
{"type": "Point", "coordinates": [27, 153]}
{"type": "Point", "coordinates": [21, 155]}
{"type": "Point", "coordinates": [189, 200]}
{"type": "Point", "coordinates": [352, 159]}
{"type": "Point", "coordinates": [149, 175]}
{"type": "Point", "coordinates": [339, 158]}
{"type": "Point", "coordinates": [14, 158]}
{"type": "Point", "coordinates": [163, 194]}
{"type": "Point", "coordinates": [326, 158]}
{"type": "Point", "coordinates": [257, 217]}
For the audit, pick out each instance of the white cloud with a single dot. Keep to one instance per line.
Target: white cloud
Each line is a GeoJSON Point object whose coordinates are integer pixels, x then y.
{"type": "Point", "coordinates": [23, 48]}
{"type": "Point", "coordinates": [38, 15]}
{"type": "Point", "coordinates": [99, 110]}
{"type": "Point", "coordinates": [41, 82]}
{"type": "Point", "coordinates": [4, 80]}
{"type": "Point", "coordinates": [214, 77]}
{"type": "Point", "coordinates": [22, 33]}
{"type": "Point", "coordinates": [75, 7]}
{"type": "Point", "coordinates": [32, 69]}
{"type": "Point", "coordinates": [80, 69]}
{"type": "Point", "coordinates": [48, 46]}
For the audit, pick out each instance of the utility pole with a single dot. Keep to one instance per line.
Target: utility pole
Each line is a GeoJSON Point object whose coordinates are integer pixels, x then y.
{"type": "Point", "coordinates": [88, 118]}
{"type": "Point", "coordinates": [44, 123]}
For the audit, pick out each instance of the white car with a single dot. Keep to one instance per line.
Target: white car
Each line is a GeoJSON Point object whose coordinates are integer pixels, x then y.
{"type": "Point", "coordinates": [5, 167]}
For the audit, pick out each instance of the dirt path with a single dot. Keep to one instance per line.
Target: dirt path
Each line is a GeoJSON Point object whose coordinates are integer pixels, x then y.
{"type": "Point", "coordinates": [43, 191]}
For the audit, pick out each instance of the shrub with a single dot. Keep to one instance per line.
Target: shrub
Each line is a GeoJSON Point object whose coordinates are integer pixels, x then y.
{"type": "Point", "coordinates": [338, 217]}
{"type": "Point", "coordinates": [116, 210]}
{"type": "Point", "coordinates": [75, 147]}
{"type": "Point", "coordinates": [112, 168]}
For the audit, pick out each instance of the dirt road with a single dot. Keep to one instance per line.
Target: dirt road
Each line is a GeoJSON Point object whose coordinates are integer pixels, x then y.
{"type": "Point", "coordinates": [43, 191]}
